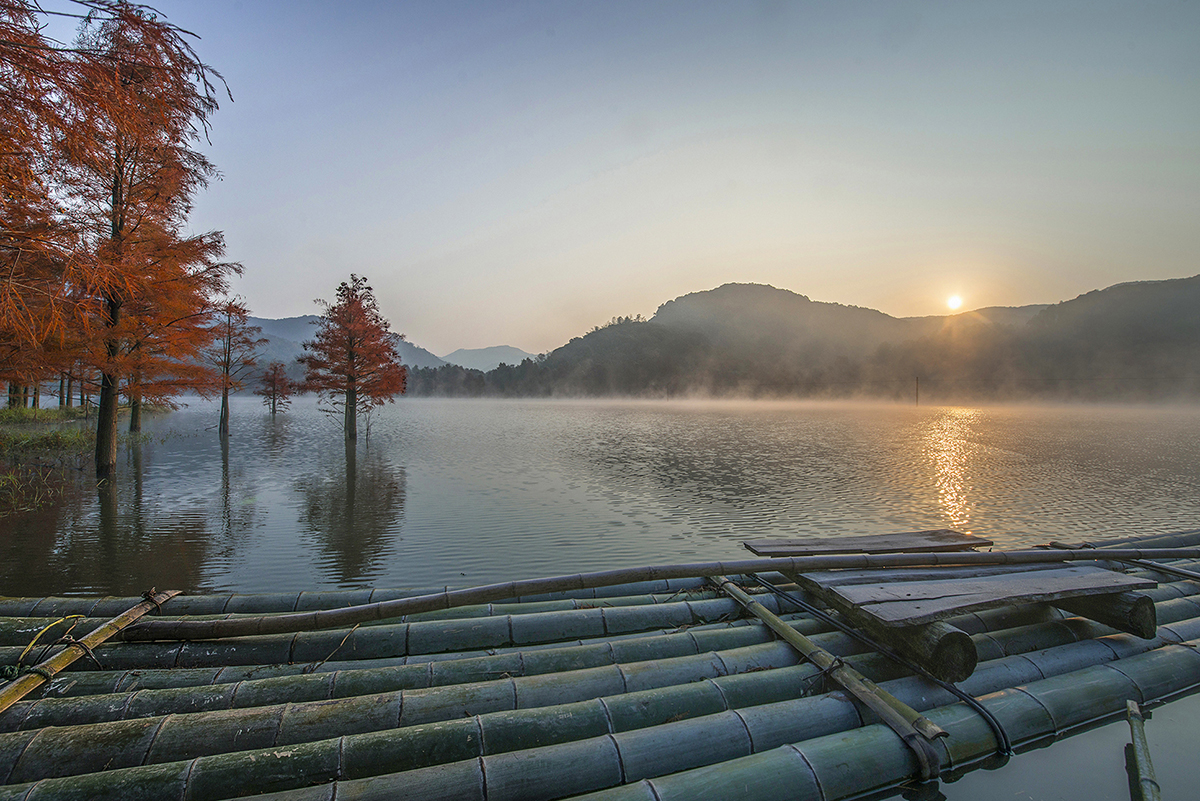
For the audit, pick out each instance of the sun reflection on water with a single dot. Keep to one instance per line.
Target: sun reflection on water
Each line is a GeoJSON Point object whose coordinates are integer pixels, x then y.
{"type": "Point", "coordinates": [948, 448]}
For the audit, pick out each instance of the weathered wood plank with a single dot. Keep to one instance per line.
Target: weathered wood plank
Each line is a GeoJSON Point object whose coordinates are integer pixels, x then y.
{"type": "Point", "coordinates": [834, 578]}
{"type": "Point", "coordinates": [943, 650]}
{"type": "Point", "coordinates": [907, 542]}
{"type": "Point", "coordinates": [909, 603]}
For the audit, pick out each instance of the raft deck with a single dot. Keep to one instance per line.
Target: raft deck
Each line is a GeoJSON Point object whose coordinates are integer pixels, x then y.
{"type": "Point", "coordinates": [659, 683]}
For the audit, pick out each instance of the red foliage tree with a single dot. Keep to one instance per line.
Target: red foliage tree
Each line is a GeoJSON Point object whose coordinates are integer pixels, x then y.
{"type": "Point", "coordinates": [275, 387]}
{"type": "Point", "coordinates": [352, 360]}
{"type": "Point", "coordinates": [232, 352]}
{"type": "Point", "coordinates": [34, 244]}
{"type": "Point", "coordinates": [138, 97]}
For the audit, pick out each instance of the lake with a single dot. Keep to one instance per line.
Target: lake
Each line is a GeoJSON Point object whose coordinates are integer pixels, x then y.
{"type": "Point", "coordinates": [466, 492]}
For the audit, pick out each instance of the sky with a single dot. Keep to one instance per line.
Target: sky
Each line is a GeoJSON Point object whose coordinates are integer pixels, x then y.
{"type": "Point", "coordinates": [517, 173]}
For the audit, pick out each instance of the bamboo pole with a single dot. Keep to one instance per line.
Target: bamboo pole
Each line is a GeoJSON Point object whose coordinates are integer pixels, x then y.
{"type": "Point", "coordinates": [352, 615]}
{"type": "Point", "coordinates": [428, 637]}
{"type": "Point", "coordinates": [910, 725]}
{"type": "Point", "coordinates": [1132, 612]}
{"type": "Point", "coordinates": [646, 748]}
{"type": "Point", "coordinates": [709, 757]}
{"type": "Point", "coordinates": [1143, 786]}
{"type": "Point", "coordinates": [871, 760]}
{"type": "Point", "coordinates": [24, 684]}
{"type": "Point", "coordinates": [380, 675]}
{"type": "Point", "coordinates": [282, 602]}
{"type": "Point", "coordinates": [290, 721]}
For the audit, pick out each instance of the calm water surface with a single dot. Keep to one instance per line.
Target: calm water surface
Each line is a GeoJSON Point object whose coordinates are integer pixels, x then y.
{"type": "Point", "coordinates": [466, 492]}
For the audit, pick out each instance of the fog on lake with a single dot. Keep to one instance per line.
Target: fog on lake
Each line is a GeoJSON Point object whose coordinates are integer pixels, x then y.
{"type": "Point", "coordinates": [466, 492]}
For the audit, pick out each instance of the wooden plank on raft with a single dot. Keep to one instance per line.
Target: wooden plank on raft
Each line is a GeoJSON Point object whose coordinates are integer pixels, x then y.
{"type": "Point", "coordinates": [939, 540]}
{"type": "Point", "coordinates": [912, 602]}
{"type": "Point", "coordinates": [834, 578]}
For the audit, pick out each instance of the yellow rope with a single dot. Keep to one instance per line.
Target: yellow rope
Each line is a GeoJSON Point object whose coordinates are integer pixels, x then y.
{"type": "Point", "coordinates": [37, 636]}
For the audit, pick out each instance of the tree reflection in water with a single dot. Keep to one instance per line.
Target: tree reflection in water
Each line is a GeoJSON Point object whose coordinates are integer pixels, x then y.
{"type": "Point", "coordinates": [136, 549]}
{"type": "Point", "coordinates": [353, 515]}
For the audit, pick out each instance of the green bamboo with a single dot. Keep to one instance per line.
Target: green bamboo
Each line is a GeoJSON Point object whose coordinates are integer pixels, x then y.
{"type": "Point", "coordinates": [911, 726]}
{"type": "Point", "coordinates": [1143, 786]}
{"type": "Point", "coordinates": [428, 637]}
{"type": "Point", "coordinates": [187, 736]}
{"type": "Point", "coordinates": [26, 683]}
{"type": "Point", "coordinates": [271, 603]}
{"type": "Point", "coordinates": [426, 671]}
{"type": "Point", "coordinates": [871, 759]}
{"type": "Point", "coordinates": [649, 744]}
{"type": "Point", "coordinates": [349, 616]}
{"type": "Point", "coordinates": [279, 680]}
{"type": "Point", "coordinates": [1132, 612]}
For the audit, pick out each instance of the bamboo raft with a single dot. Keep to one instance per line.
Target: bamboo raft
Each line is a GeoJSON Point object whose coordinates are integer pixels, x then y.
{"type": "Point", "coordinates": [672, 682]}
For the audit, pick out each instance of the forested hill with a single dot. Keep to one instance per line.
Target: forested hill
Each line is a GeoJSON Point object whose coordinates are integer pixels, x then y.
{"type": "Point", "coordinates": [1133, 341]}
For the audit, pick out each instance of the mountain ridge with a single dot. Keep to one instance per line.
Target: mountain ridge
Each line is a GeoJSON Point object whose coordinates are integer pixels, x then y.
{"type": "Point", "coordinates": [1134, 340]}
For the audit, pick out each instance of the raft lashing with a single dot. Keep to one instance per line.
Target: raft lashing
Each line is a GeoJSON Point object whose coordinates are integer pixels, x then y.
{"type": "Point", "coordinates": [654, 684]}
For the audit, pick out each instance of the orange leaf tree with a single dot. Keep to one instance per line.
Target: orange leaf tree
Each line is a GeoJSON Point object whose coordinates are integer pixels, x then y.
{"type": "Point", "coordinates": [352, 360]}
{"type": "Point", "coordinates": [35, 246]}
{"type": "Point", "coordinates": [232, 352]}
{"type": "Point", "coordinates": [275, 387]}
{"type": "Point", "coordinates": [138, 99]}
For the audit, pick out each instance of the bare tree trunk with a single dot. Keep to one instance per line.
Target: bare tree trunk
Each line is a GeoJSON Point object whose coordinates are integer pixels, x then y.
{"type": "Point", "coordinates": [223, 427]}
{"type": "Point", "coordinates": [351, 411]}
{"type": "Point", "coordinates": [106, 414]}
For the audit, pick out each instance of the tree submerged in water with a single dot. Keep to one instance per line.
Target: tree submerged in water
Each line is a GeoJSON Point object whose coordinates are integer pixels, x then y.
{"type": "Point", "coordinates": [232, 354]}
{"type": "Point", "coordinates": [276, 388]}
{"type": "Point", "coordinates": [352, 360]}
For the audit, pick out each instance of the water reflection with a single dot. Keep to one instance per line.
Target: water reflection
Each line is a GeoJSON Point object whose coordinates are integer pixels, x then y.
{"type": "Point", "coordinates": [490, 491]}
{"type": "Point", "coordinates": [353, 514]}
{"type": "Point", "coordinates": [134, 549]}
{"type": "Point", "coordinates": [949, 449]}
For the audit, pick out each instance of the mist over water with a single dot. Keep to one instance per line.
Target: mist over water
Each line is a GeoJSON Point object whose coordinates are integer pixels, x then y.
{"type": "Point", "coordinates": [466, 492]}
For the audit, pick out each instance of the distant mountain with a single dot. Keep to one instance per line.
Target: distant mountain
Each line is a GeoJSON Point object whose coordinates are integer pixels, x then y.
{"type": "Point", "coordinates": [1132, 341]}
{"type": "Point", "coordinates": [292, 329]}
{"type": "Point", "coordinates": [285, 337]}
{"type": "Point", "coordinates": [486, 359]}
{"type": "Point", "coordinates": [1011, 316]}
{"type": "Point", "coordinates": [754, 316]}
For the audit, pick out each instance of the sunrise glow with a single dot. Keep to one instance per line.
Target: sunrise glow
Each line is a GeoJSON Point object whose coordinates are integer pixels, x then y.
{"type": "Point", "coordinates": [954, 302]}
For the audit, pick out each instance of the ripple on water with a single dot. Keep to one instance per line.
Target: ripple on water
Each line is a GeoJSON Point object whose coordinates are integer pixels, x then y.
{"type": "Point", "coordinates": [465, 492]}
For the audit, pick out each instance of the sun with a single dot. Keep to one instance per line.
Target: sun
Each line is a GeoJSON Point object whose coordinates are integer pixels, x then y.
{"type": "Point", "coordinates": [954, 302]}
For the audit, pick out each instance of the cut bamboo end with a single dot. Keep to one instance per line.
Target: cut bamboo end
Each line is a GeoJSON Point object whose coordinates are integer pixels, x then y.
{"type": "Point", "coordinates": [1125, 611]}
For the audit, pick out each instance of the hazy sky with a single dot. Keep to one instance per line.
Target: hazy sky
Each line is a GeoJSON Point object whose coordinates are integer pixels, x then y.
{"type": "Point", "coordinates": [516, 173]}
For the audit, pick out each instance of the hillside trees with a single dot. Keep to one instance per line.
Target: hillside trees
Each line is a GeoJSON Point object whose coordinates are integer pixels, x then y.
{"type": "Point", "coordinates": [352, 360]}
{"type": "Point", "coordinates": [98, 172]}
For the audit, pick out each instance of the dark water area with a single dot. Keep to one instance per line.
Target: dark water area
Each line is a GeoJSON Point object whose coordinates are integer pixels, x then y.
{"type": "Point", "coordinates": [465, 492]}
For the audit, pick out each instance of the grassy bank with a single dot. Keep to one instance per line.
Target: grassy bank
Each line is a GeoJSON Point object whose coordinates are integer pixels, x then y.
{"type": "Point", "coordinates": [37, 446]}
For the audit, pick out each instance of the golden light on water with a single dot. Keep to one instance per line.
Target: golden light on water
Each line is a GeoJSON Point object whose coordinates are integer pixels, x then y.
{"type": "Point", "coordinates": [948, 447]}
{"type": "Point", "coordinates": [954, 302]}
